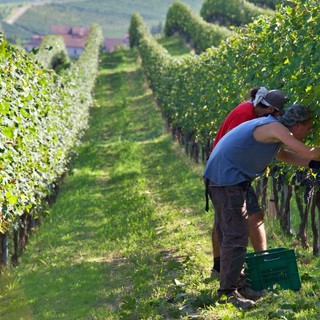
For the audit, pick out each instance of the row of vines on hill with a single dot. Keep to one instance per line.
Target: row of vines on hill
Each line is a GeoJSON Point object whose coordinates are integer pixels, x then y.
{"type": "Point", "coordinates": [201, 34]}
{"type": "Point", "coordinates": [231, 12]}
{"type": "Point", "coordinates": [213, 26]}
{"type": "Point", "coordinates": [43, 117]}
{"type": "Point", "coordinates": [197, 92]}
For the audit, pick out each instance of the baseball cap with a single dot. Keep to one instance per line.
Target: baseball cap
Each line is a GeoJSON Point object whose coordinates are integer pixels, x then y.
{"type": "Point", "coordinates": [276, 99]}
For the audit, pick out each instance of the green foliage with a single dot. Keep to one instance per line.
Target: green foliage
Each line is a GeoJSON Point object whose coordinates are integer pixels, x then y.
{"type": "Point", "coordinates": [232, 12]}
{"type": "Point", "coordinates": [43, 117]}
{"type": "Point", "coordinates": [152, 53]}
{"type": "Point", "coordinates": [197, 92]}
{"type": "Point", "coordinates": [52, 52]}
{"type": "Point", "coordinates": [136, 29]}
{"type": "Point", "coordinates": [272, 4]}
{"type": "Point", "coordinates": [181, 19]}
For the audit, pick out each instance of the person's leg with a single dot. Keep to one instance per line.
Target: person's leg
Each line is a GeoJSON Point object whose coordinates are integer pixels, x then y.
{"type": "Point", "coordinates": [232, 260]}
{"type": "Point", "coordinates": [232, 230]}
{"type": "Point", "coordinates": [256, 228]}
{"type": "Point", "coordinates": [215, 250]}
{"type": "Point", "coordinates": [257, 232]}
{"type": "Point", "coordinates": [258, 240]}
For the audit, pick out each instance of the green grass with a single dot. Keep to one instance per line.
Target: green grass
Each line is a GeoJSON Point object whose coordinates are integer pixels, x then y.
{"type": "Point", "coordinates": [175, 45]}
{"type": "Point", "coordinates": [128, 237]}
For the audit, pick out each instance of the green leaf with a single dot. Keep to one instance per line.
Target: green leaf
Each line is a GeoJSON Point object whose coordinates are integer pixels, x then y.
{"type": "Point", "coordinates": [4, 107]}
{"type": "Point", "coordinates": [12, 199]}
{"type": "Point", "coordinates": [8, 132]}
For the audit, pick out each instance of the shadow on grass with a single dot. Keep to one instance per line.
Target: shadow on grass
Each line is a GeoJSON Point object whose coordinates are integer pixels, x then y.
{"type": "Point", "coordinates": [94, 251]}
{"type": "Point", "coordinates": [175, 45]}
{"type": "Point", "coordinates": [171, 177]}
{"type": "Point", "coordinates": [115, 59]}
{"type": "Point", "coordinates": [79, 288]}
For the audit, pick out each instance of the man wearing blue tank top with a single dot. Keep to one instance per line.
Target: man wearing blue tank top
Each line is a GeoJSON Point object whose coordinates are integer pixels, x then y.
{"type": "Point", "coordinates": [239, 157]}
{"type": "Point", "coordinates": [262, 103]}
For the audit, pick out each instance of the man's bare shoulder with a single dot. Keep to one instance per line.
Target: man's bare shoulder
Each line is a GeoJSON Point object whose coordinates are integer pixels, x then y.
{"type": "Point", "coordinates": [271, 132]}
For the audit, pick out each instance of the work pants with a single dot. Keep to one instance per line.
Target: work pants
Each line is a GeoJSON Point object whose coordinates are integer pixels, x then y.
{"type": "Point", "coordinates": [231, 222]}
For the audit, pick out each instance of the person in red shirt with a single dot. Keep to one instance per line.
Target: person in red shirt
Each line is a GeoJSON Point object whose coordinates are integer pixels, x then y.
{"type": "Point", "coordinates": [263, 102]}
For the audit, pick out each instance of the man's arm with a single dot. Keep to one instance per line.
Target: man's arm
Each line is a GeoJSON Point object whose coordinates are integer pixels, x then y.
{"type": "Point", "coordinates": [302, 150]}
{"type": "Point", "coordinates": [276, 132]}
{"type": "Point", "coordinates": [293, 158]}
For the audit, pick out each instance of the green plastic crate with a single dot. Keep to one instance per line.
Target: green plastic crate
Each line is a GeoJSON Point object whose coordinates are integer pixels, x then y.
{"type": "Point", "coordinates": [274, 266]}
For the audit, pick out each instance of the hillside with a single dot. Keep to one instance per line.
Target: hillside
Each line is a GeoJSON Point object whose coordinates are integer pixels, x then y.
{"type": "Point", "coordinates": [113, 16]}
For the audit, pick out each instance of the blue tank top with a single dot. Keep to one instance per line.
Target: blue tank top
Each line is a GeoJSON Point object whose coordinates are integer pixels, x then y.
{"type": "Point", "coordinates": [239, 157]}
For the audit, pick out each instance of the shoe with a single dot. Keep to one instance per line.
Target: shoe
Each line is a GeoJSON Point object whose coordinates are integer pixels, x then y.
{"type": "Point", "coordinates": [237, 300]}
{"type": "Point", "coordinates": [251, 294]}
{"type": "Point", "coordinates": [215, 275]}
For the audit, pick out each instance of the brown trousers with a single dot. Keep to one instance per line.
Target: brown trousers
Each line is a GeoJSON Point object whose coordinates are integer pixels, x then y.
{"type": "Point", "coordinates": [231, 223]}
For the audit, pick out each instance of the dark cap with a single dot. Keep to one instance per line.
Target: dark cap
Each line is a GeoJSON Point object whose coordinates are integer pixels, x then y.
{"type": "Point", "coordinates": [295, 114]}
{"type": "Point", "coordinates": [276, 99]}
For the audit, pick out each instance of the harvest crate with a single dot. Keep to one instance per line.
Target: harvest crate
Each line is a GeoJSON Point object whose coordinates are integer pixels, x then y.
{"type": "Point", "coordinates": [274, 266]}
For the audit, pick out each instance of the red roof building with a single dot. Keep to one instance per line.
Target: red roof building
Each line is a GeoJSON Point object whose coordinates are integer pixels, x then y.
{"type": "Point", "coordinates": [74, 31]}
{"type": "Point", "coordinates": [75, 38]}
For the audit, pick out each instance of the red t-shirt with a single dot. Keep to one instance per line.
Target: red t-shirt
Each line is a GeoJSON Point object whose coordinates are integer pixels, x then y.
{"type": "Point", "coordinates": [243, 112]}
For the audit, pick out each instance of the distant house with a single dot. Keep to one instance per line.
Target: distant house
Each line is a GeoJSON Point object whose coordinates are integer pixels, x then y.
{"type": "Point", "coordinates": [74, 31]}
{"type": "Point", "coordinates": [75, 38]}
{"type": "Point", "coordinates": [111, 44]}
{"type": "Point", "coordinates": [75, 46]}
